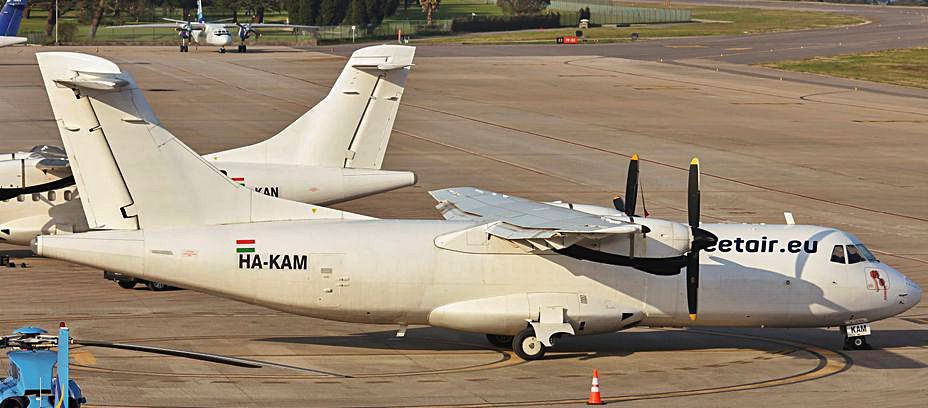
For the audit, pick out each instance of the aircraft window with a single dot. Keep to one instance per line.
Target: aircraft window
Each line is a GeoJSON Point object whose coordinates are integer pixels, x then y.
{"type": "Point", "coordinates": [853, 256]}
{"type": "Point", "coordinates": [67, 195]}
{"type": "Point", "coordinates": [866, 253]}
{"type": "Point", "coordinates": [20, 198]}
{"type": "Point", "coordinates": [52, 195]}
{"type": "Point", "coordinates": [35, 196]}
{"type": "Point", "coordinates": [837, 254]}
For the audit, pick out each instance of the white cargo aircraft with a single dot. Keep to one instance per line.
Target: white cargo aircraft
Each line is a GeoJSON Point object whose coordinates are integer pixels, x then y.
{"type": "Point", "coordinates": [214, 33]}
{"type": "Point", "coordinates": [332, 153]}
{"type": "Point", "coordinates": [520, 271]}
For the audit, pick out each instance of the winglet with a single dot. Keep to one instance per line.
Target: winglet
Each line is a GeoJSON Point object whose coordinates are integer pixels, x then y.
{"type": "Point", "coordinates": [692, 316]}
{"type": "Point", "coordinates": [695, 161]}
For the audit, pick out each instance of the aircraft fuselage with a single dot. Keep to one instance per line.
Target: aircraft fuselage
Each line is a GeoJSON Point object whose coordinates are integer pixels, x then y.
{"type": "Point", "coordinates": [445, 273]}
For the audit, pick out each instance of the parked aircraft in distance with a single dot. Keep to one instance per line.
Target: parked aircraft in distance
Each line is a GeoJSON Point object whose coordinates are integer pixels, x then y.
{"type": "Point", "coordinates": [333, 153]}
{"type": "Point", "coordinates": [10, 16]}
{"type": "Point", "coordinates": [520, 271]}
{"type": "Point", "coordinates": [214, 33]}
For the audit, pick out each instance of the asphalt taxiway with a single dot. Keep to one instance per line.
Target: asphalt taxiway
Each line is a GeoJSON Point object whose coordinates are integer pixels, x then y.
{"type": "Point", "coordinates": [543, 127]}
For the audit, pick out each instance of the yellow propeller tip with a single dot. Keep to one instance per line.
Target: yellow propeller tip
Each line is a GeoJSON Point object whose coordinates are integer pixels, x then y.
{"type": "Point", "coordinates": [693, 316]}
{"type": "Point", "coordinates": [695, 161]}
{"type": "Point", "coordinates": [635, 156]}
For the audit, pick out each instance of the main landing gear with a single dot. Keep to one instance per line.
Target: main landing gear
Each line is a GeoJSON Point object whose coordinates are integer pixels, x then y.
{"type": "Point", "coordinates": [184, 48]}
{"type": "Point", "coordinates": [242, 48]}
{"type": "Point", "coordinates": [527, 346]}
{"type": "Point", "coordinates": [499, 340]}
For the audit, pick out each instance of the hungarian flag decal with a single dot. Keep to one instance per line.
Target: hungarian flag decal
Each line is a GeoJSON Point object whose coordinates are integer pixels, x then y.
{"type": "Point", "coordinates": [239, 180]}
{"type": "Point", "coordinates": [244, 246]}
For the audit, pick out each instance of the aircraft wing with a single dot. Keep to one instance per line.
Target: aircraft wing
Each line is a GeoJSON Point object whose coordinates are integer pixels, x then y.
{"type": "Point", "coordinates": [514, 218]}
{"type": "Point", "coordinates": [5, 41]}
{"type": "Point", "coordinates": [178, 24]}
{"type": "Point", "coordinates": [274, 25]}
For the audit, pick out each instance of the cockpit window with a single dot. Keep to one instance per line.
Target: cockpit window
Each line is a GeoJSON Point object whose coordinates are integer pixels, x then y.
{"type": "Point", "coordinates": [837, 254]}
{"type": "Point", "coordinates": [866, 253]}
{"type": "Point", "coordinates": [853, 255]}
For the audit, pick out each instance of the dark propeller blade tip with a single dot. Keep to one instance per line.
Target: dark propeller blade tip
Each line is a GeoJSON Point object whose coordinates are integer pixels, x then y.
{"type": "Point", "coordinates": [618, 203]}
{"type": "Point", "coordinates": [703, 239]}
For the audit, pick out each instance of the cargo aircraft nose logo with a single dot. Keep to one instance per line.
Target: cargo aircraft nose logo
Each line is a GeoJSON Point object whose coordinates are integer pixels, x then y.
{"type": "Point", "coordinates": [248, 258]}
{"type": "Point", "coordinates": [877, 283]}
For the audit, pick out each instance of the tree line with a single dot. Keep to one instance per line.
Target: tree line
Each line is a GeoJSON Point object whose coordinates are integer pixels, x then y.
{"type": "Point", "coordinates": [95, 12]}
{"type": "Point", "coordinates": [335, 12]}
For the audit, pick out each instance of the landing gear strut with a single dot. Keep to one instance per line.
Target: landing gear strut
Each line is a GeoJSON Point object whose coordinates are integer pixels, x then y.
{"type": "Point", "coordinates": [527, 346]}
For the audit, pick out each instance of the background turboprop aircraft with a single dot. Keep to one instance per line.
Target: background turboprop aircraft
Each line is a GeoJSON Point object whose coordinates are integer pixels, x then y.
{"type": "Point", "coordinates": [522, 272]}
{"type": "Point", "coordinates": [10, 17]}
{"type": "Point", "coordinates": [332, 153]}
{"type": "Point", "coordinates": [212, 33]}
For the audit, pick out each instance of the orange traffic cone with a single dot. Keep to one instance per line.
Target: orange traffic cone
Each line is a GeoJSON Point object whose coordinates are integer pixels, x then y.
{"type": "Point", "coordinates": [595, 398]}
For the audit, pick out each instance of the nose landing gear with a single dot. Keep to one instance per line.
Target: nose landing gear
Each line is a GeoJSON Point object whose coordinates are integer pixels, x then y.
{"type": "Point", "coordinates": [222, 50]}
{"type": "Point", "coordinates": [855, 336]}
{"type": "Point", "coordinates": [857, 343]}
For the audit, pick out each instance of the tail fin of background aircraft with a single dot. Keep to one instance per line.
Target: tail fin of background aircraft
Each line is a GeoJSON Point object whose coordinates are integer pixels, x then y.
{"type": "Point", "coordinates": [200, 18]}
{"type": "Point", "coordinates": [131, 172]}
{"type": "Point", "coordinates": [351, 126]}
{"type": "Point", "coordinates": [10, 17]}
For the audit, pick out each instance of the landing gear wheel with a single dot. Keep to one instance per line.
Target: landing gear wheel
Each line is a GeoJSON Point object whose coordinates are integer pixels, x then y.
{"type": "Point", "coordinates": [126, 284]}
{"type": "Point", "coordinates": [15, 402]}
{"type": "Point", "coordinates": [157, 286]}
{"type": "Point", "coordinates": [184, 48]}
{"type": "Point", "coordinates": [500, 340]}
{"type": "Point", "coordinates": [222, 50]}
{"type": "Point", "coordinates": [242, 48]}
{"type": "Point", "coordinates": [857, 343]}
{"type": "Point", "coordinates": [527, 346]}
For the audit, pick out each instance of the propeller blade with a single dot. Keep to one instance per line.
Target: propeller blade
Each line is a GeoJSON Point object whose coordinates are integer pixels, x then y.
{"type": "Point", "coordinates": [631, 186]}
{"type": "Point", "coordinates": [692, 283]}
{"type": "Point", "coordinates": [692, 197]}
{"type": "Point", "coordinates": [618, 203]}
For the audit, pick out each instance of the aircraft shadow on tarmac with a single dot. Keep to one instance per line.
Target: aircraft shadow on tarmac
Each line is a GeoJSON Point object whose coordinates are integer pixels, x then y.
{"type": "Point", "coordinates": [17, 253]}
{"type": "Point", "coordinates": [628, 343]}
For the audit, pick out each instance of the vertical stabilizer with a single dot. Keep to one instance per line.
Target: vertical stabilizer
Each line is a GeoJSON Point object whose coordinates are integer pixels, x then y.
{"type": "Point", "coordinates": [10, 17]}
{"type": "Point", "coordinates": [200, 18]}
{"type": "Point", "coordinates": [159, 181]}
{"type": "Point", "coordinates": [351, 126]}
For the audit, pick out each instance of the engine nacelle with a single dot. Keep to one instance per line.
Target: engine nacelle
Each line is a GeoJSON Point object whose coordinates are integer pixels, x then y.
{"type": "Point", "coordinates": [25, 173]}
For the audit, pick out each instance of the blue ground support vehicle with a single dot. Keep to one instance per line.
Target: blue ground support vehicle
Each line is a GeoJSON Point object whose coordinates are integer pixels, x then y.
{"type": "Point", "coordinates": [36, 370]}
